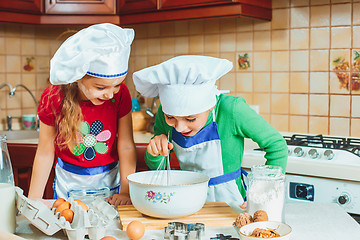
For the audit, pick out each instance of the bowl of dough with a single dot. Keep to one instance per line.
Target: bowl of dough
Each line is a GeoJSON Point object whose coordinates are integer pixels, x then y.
{"type": "Point", "coordinates": [168, 193]}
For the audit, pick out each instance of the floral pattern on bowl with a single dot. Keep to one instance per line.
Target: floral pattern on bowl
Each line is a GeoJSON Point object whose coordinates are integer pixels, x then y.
{"type": "Point", "coordinates": [157, 197]}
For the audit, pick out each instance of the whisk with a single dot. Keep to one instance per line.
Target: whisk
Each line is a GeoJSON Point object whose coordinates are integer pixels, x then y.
{"type": "Point", "coordinates": [160, 176]}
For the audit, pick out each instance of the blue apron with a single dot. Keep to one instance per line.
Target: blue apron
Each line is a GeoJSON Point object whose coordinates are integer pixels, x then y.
{"type": "Point", "coordinates": [202, 153]}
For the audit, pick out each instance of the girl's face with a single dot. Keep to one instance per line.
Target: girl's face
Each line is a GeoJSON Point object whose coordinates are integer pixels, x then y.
{"type": "Point", "coordinates": [189, 125]}
{"type": "Point", "coordinates": [98, 90]}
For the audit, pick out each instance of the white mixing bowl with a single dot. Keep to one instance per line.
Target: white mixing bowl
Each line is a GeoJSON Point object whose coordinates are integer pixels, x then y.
{"type": "Point", "coordinates": [153, 194]}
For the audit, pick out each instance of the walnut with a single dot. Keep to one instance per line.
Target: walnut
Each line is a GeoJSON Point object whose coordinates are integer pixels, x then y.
{"type": "Point", "coordinates": [256, 232]}
{"type": "Point", "coordinates": [260, 215]}
{"type": "Point", "coordinates": [242, 219]}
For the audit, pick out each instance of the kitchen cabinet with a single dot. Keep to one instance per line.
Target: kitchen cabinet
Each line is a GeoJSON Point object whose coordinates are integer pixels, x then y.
{"type": "Point", "coordinates": [87, 7]}
{"type": "Point", "coordinates": [22, 158]}
{"type": "Point", "coordinates": [27, 6]}
{"type": "Point", "coordinates": [144, 11]}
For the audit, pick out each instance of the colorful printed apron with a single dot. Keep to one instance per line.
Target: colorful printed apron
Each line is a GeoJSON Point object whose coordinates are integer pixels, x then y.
{"type": "Point", "coordinates": [202, 153]}
{"type": "Point", "coordinates": [71, 177]}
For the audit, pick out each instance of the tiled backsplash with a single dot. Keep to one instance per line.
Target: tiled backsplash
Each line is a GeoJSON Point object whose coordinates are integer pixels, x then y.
{"type": "Point", "coordinates": [292, 75]}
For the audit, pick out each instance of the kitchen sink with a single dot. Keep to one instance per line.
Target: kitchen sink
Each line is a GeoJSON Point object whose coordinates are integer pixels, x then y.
{"type": "Point", "coordinates": [20, 134]}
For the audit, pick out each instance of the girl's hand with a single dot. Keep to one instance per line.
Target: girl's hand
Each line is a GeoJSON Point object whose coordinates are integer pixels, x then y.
{"type": "Point", "coordinates": [159, 145]}
{"type": "Point", "coordinates": [119, 199]}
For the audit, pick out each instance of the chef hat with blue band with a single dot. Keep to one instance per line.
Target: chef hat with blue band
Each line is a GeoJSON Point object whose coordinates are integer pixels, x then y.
{"type": "Point", "coordinates": [185, 84]}
{"type": "Point", "coordinates": [101, 50]}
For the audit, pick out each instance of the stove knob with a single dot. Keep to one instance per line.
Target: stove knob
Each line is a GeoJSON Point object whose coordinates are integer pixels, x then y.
{"type": "Point", "coordinates": [329, 154]}
{"type": "Point", "coordinates": [343, 199]}
{"type": "Point", "coordinates": [313, 153]}
{"type": "Point", "coordinates": [298, 152]}
{"type": "Point", "coordinates": [289, 151]}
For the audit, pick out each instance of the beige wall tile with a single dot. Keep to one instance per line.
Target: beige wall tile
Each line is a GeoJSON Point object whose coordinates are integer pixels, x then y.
{"type": "Point", "coordinates": [299, 39]}
{"type": "Point", "coordinates": [262, 82]}
{"type": "Point", "coordinates": [341, 1]}
{"type": "Point", "coordinates": [247, 96]}
{"type": "Point", "coordinates": [211, 43]}
{"type": "Point", "coordinates": [340, 37]}
{"type": "Point", "coordinates": [244, 41]}
{"type": "Point", "coordinates": [196, 45]}
{"type": "Point", "coordinates": [280, 40]}
{"type": "Point", "coordinates": [280, 19]}
{"type": "Point", "coordinates": [244, 82]}
{"type": "Point", "coordinates": [182, 45]}
{"type": "Point", "coordinates": [280, 122]}
{"type": "Point", "coordinates": [319, 2]}
{"type": "Point", "coordinates": [356, 37]}
{"type": "Point", "coordinates": [356, 13]}
{"type": "Point", "coordinates": [320, 16]}
{"type": "Point", "coordinates": [227, 42]}
{"type": "Point", "coordinates": [27, 101]}
{"type": "Point", "coordinates": [139, 47]}
{"type": "Point", "coordinates": [319, 105]}
{"type": "Point", "coordinates": [319, 38]}
{"type": "Point", "coordinates": [280, 4]}
{"type": "Point", "coordinates": [299, 17]}
{"type": "Point", "coordinates": [2, 64]}
{"type": "Point", "coordinates": [153, 30]}
{"type": "Point", "coordinates": [244, 25]}
{"type": "Point", "coordinates": [355, 128]}
{"type": "Point", "coordinates": [42, 64]}
{"type": "Point", "coordinates": [280, 82]}
{"type": "Point", "coordinates": [339, 106]}
{"type": "Point", "coordinates": [12, 30]}
{"type": "Point", "coordinates": [12, 46]}
{"type": "Point", "coordinates": [167, 29]}
{"type": "Point", "coordinates": [339, 126]}
{"type": "Point", "coordinates": [280, 103]}
{"type": "Point", "coordinates": [299, 60]}
{"type": "Point", "coordinates": [227, 25]}
{"type": "Point", "coordinates": [2, 45]}
{"type": "Point", "coordinates": [319, 60]}
{"type": "Point", "coordinates": [28, 31]}
{"type": "Point", "coordinates": [29, 80]}
{"type": "Point", "coordinates": [263, 100]}
{"type": "Point", "coordinates": [341, 14]}
{"type": "Point", "coordinates": [299, 82]}
{"type": "Point", "coordinates": [167, 45]}
{"type": "Point", "coordinates": [153, 46]}
{"type": "Point", "coordinates": [319, 82]}
{"type": "Point", "coordinates": [228, 82]}
{"type": "Point", "coordinates": [28, 46]}
{"type": "Point", "coordinates": [280, 61]}
{"type": "Point", "coordinates": [299, 104]}
{"type": "Point", "coordinates": [319, 125]}
{"type": "Point", "coordinates": [212, 26]}
{"type": "Point", "coordinates": [181, 28]}
{"type": "Point", "coordinates": [196, 27]}
{"type": "Point", "coordinates": [140, 63]}
{"type": "Point", "coordinates": [13, 63]}
{"type": "Point", "coordinates": [299, 3]}
{"type": "Point", "coordinates": [261, 25]}
{"type": "Point", "coordinates": [229, 56]}
{"type": "Point", "coordinates": [140, 30]}
{"type": "Point", "coordinates": [355, 106]}
{"type": "Point", "coordinates": [299, 124]}
{"type": "Point", "coordinates": [261, 61]}
{"type": "Point", "coordinates": [262, 40]}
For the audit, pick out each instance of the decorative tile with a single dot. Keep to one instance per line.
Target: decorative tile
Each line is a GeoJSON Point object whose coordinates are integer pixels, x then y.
{"type": "Point", "coordinates": [299, 82]}
{"type": "Point", "coordinates": [319, 60]}
{"type": "Point", "coordinates": [320, 38]}
{"type": "Point", "coordinates": [280, 39]}
{"type": "Point", "coordinates": [339, 126]}
{"type": "Point", "coordinates": [280, 82]}
{"type": "Point", "coordinates": [319, 82]}
{"type": "Point", "coordinates": [340, 105]}
{"type": "Point", "coordinates": [339, 85]}
{"type": "Point", "coordinates": [300, 17]}
{"type": "Point", "coordinates": [280, 61]}
{"type": "Point", "coordinates": [340, 64]}
{"type": "Point", "coordinates": [340, 37]}
{"type": "Point", "coordinates": [320, 16]}
{"type": "Point", "coordinates": [299, 104]}
{"type": "Point", "coordinates": [355, 68]}
{"type": "Point", "coordinates": [261, 82]}
{"type": "Point", "coordinates": [280, 103]}
{"type": "Point", "coordinates": [341, 14]}
{"type": "Point", "coordinates": [299, 124]}
{"type": "Point", "coordinates": [319, 125]}
{"type": "Point", "coordinates": [29, 64]}
{"type": "Point", "coordinates": [243, 61]}
{"type": "Point", "coordinates": [319, 105]}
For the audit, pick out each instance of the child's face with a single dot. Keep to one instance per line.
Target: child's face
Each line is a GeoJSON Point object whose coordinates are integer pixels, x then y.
{"type": "Point", "coordinates": [98, 90]}
{"type": "Point", "coordinates": [189, 125]}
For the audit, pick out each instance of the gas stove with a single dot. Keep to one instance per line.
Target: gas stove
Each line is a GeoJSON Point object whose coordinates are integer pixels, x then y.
{"type": "Point", "coordinates": [319, 169]}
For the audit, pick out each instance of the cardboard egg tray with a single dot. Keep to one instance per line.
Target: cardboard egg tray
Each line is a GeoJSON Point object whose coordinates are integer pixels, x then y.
{"type": "Point", "coordinates": [91, 223]}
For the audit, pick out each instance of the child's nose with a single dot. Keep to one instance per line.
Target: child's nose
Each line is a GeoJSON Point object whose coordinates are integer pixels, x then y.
{"type": "Point", "coordinates": [180, 126]}
{"type": "Point", "coordinates": [109, 94]}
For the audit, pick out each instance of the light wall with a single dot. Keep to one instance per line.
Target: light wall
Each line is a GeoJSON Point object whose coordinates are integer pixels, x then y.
{"type": "Point", "coordinates": [291, 75]}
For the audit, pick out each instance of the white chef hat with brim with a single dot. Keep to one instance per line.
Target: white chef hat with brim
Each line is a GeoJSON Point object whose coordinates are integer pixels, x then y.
{"type": "Point", "coordinates": [185, 84]}
{"type": "Point", "coordinates": [101, 50]}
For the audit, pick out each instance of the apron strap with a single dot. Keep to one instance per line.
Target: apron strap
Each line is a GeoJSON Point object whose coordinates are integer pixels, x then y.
{"type": "Point", "coordinates": [85, 170]}
{"type": "Point", "coordinates": [225, 178]}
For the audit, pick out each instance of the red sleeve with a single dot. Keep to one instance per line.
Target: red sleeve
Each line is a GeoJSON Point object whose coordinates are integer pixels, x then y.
{"type": "Point", "coordinates": [125, 103]}
{"type": "Point", "coordinates": [49, 105]}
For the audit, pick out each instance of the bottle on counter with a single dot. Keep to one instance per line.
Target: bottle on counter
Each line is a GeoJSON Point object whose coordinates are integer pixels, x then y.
{"type": "Point", "coordinates": [266, 191]}
{"type": "Point", "coordinates": [7, 190]}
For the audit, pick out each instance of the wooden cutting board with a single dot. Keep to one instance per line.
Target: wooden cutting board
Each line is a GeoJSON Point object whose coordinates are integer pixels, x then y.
{"type": "Point", "coordinates": [212, 214]}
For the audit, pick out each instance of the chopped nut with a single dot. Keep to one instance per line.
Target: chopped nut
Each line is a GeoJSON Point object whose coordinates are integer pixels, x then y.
{"type": "Point", "coordinates": [256, 232]}
{"type": "Point", "coordinates": [242, 219]}
{"type": "Point", "coordinates": [260, 215]}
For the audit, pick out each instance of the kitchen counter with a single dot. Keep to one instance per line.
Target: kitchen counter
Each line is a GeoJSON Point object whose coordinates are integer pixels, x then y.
{"type": "Point", "coordinates": [310, 221]}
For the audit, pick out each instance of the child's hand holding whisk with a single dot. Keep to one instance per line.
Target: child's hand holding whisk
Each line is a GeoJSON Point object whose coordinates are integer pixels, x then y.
{"type": "Point", "coordinates": [159, 145]}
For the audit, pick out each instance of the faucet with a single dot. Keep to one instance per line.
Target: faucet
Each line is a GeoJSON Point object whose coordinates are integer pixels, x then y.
{"type": "Point", "coordinates": [4, 85]}
{"type": "Point", "coordinates": [12, 93]}
{"type": "Point", "coordinates": [150, 111]}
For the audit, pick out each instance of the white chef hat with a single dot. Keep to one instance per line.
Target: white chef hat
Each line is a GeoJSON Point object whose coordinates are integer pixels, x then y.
{"type": "Point", "coordinates": [185, 84]}
{"type": "Point", "coordinates": [101, 50]}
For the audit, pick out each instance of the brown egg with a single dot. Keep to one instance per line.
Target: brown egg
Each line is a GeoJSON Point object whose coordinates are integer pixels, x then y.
{"type": "Point", "coordinates": [83, 205]}
{"type": "Point", "coordinates": [62, 207]}
{"type": "Point", "coordinates": [68, 214]}
{"type": "Point", "coordinates": [108, 238]}
{"type": "Point", "coordinates": [135, 230]}
{"type": "Point", "coordinates": [58, 202]}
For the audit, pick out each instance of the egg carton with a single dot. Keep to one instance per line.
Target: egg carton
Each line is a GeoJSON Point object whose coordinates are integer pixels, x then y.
{"type": "Point", "coordinates": [92, 222]}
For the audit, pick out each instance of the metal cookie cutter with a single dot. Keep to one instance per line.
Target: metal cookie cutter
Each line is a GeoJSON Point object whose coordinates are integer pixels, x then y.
{"type": "Point", "coordinates": [183, 231]}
